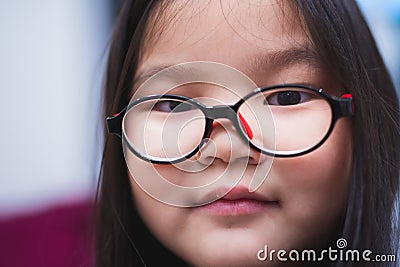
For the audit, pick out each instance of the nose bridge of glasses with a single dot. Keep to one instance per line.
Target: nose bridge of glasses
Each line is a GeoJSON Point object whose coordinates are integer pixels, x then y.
{"type": "Point", "coordinates": [230, 113]}
{"type": "Point", "coordinates": [221, 111]}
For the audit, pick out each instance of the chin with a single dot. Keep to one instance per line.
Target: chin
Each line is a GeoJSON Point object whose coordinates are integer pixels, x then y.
{"type": "Point", "coordinates": [226, 247]}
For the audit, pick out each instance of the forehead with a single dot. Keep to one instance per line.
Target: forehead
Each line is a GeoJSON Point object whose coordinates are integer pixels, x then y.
{"type": "Point", "coordinates": [226, 31]}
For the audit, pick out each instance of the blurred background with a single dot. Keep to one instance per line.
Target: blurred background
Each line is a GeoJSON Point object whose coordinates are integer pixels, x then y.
{"type": "Point", "coordinates": [52, 58]}
{"type": "Point", "coordinates": [383, 18]}
{"type": "Point", "coordinates": [53, 55]}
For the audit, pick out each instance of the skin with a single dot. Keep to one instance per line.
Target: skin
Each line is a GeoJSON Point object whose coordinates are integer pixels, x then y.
{"type": "Point", "coordinates": [311, 190]}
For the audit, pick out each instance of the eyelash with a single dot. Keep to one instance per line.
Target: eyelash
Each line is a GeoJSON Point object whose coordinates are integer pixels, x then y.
{"type": "Point", "coordinates": [275, 100]}
{"type": "Point", "coordinates": [165, 106]}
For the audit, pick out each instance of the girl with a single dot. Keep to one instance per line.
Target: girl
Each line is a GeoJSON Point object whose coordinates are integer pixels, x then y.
{"type": "Point", "coordinates": [247, 127]}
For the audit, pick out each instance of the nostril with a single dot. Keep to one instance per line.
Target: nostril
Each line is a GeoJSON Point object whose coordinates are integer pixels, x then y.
{"type": "Point", "coordinates": [207, 154]}
{"type": "Point", "coordinates": [225, 145]}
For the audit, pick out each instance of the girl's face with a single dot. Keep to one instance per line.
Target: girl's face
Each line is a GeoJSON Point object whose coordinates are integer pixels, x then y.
{"type": "Point", "coordinates": [302, 201]}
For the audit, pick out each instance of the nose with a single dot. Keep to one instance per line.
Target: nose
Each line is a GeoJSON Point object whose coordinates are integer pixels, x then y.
{"type": "Point", "coordinates": [226, 144]}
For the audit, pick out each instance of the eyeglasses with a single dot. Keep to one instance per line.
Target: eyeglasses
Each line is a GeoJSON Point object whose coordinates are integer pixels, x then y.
{"type": "Point", "coordinates": [284, 120]}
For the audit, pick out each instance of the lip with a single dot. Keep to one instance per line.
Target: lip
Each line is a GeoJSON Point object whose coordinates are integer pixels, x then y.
{"type": "Point", "coordinates": [239, 201]}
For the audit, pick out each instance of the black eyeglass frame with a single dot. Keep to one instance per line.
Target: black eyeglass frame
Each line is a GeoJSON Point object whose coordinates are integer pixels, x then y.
{"type": "Point", "coordinates": [341, 107]}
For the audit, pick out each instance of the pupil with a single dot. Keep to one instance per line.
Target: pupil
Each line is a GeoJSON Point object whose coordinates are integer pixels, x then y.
{"type": "Point", "coordinates": [289, 98]}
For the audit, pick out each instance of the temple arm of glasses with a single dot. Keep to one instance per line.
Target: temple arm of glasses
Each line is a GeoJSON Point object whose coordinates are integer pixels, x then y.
{"type": "Point", "coordinates": [114, 123]}
{"type": "Point", "coordinates": [346, 105]}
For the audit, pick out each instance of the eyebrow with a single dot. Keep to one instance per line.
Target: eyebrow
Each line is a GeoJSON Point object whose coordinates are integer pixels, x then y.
{"type": "Point", "coordinates": [276, 59]}
{"type": "Point", "coordinates": [154, 70]}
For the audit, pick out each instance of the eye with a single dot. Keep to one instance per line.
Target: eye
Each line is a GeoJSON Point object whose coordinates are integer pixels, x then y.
{"type": "Point", "coordinates": [287, 98]}
{"type": "Point", "coordinates": [169, 106]}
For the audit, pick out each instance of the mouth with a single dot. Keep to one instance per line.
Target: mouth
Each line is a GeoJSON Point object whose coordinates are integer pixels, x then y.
{"type": "Point", "coordinates": [239, 201]}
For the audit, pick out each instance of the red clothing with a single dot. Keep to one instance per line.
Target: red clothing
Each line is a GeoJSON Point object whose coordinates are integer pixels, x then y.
{"type": "Point", "coordinates": [61, 236]}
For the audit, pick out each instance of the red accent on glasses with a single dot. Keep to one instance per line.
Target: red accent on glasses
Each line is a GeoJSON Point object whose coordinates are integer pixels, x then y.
{"type": "Point", "coordinates": [347, 96]}
{"type": "Point", "coordinates": [246, 126]}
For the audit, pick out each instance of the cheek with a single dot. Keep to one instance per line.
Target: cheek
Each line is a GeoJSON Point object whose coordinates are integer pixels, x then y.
{"type": "Point", "coordinates": [315, 186]}
{"type": "Point", "coordinates": [160, 218]}
{"type": "Point", "coordinates": [176, 228]}
{"type": "Point", "coordinates": [164, 221]}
